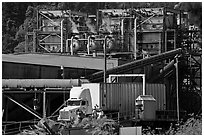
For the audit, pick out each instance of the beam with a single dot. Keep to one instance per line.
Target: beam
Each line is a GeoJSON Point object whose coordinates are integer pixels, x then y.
{"type": "Point", "coordinates": [31, 111]}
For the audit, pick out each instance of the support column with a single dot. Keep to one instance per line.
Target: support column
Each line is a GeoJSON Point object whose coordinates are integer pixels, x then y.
{"type": "Point", "coordinates": [62, 35]}
{"type": "Point", "coordinates": [44, 104]}
{"type": "Point", "coordinates": [135, 36]}
{"type": "Point", "coordinates": [105, 68]}
{"type": "Point", "coordinates": [143, 80]}
{"type": "Point", "coordinates": [177, 89]}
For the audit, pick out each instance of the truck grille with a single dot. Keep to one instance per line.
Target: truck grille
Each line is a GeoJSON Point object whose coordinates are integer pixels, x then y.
{"type": "Point", "coordinates": [64, 115]}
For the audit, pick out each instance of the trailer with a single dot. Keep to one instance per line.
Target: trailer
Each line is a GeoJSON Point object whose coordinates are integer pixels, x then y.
{"type": "Point", "coordinates": [115, 98]}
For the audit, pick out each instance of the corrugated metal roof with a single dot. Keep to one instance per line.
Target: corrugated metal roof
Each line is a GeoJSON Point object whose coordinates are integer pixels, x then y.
{"type": "Point", "coordinates": [60, 60]}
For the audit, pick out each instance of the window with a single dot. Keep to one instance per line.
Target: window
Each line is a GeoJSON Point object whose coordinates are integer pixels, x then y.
{"type": "Point", "coordinates": [73, 103]}
{"type": "Point", "coordinates": [83, 103]}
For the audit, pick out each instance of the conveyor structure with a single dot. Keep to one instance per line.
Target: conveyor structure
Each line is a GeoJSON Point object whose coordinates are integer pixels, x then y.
{"type": "Point", "coordinates": [98, 76]}
{"type": "Point", "coordinates": [41, 83]}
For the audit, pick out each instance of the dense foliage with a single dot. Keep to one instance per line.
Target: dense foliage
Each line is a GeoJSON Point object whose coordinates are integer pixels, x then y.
{"type": "Point", "coordinates": [19, 18]}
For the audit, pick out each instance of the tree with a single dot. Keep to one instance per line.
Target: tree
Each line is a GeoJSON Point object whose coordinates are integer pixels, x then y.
{"type": "Point", "coordinates": [195, 12]}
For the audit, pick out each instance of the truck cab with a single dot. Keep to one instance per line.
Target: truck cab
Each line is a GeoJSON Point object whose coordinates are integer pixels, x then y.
{"type": "Point", "coordinates": [79, 101]}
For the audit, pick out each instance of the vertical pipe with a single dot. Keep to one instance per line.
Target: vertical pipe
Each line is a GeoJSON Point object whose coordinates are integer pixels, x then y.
{"type": "Point", "coordinates": [164, 30]}
{"type": "Point", "coordinates": [48, 105]}
{"type": "Point", "coordinates": [37, 19]}
{"type": "Point", "coordinates": [26, 43]}
{"type": "Point", "coordinates": [44, 104]}
{"type": "Point", "coordinates": [122, 33]}
{"type": "Point", "coordinates": [88, 45]}
{"type": "Point", "coordinates": [165, 44]}
{"type": "Point", "coordinates": [105, 67]}
{"type": "Point", "coordinates": [97, 19]}
{"type": "Point", "coordinates": [71, 46]}
{"type": "Point", "coordinates": [177, 89]}
{"type": "Point", "coordinates": [160, 45]}
{"type": "Point", "coordinates": [109, 79]}
{"type": "Point", "coordinates": [143, 78]}
{"type": "Point", "coordinates": [62, 35]}
{"type": "Point", "coordinates": [174, 39]}
{"type": "Point", "coordinates": [34, 40]}
{"type": "Point", "coordinates": [67, 36]}
{"type": "Point", "coordinates": [66, 50]}
{"type": "Point", "coordinates": [135, 34]}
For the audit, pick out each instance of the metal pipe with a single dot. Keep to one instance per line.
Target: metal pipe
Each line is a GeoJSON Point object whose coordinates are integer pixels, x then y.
{"type": "Point", "coordinates": [135, 36]}
{"type": "Point", "coordinates": [144, 85]}
{"type": "Point", "coordinates": [61, 24]}
{"type": "Point", "coordinates": [40, 83]}
{"type": "Point", "coordinates": [67, 42]}
{"type": "Point", "coordinates": [88, 45]}
{"type": "Point", "coordinates": [105, 68]}
{"type": "Point", "coordinates": [122, 30]}
{"type": "Point", "coordinates": [105, 59]}
{"type": "Point", "coordinates": [37, 19]}
{"type": "Point", "coordinates": [44, 104]}
{"type": "Point", "coordinates": [167, 67]}
{"type": "Point", "coordinates": [71, 46]}
{"type": "Point", "coordinates": [177, 88]}
{"type": "Point", "coordinates": [174, 39]}
{"type": "Point", "coordinates": [165, 44]}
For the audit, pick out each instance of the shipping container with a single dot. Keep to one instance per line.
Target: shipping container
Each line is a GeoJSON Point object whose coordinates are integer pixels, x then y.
{"type": "Point", "coordinates": [120, 97]}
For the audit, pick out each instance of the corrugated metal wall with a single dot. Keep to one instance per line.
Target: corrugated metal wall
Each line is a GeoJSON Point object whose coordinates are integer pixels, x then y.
{"type": "Point", "coordinates": [158, 91]}
{"type": "Point", "coordinates": [121, 96]}
{"type": "Point", "coordinates": [29, 71]}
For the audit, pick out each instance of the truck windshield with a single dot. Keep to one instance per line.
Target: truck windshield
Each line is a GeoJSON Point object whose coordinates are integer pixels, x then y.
{"type": "Point", "coordinates": [73, 103]}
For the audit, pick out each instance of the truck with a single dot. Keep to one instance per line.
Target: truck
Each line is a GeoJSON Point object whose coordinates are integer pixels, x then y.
{"type": "Point", "coordinates": [80, 100]}
{"type": "Point", "coordinates": [117, 98]}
